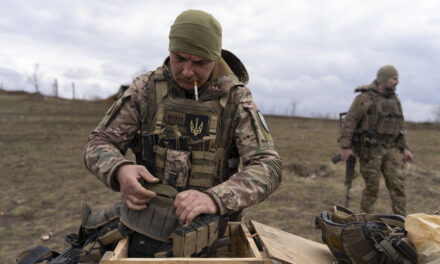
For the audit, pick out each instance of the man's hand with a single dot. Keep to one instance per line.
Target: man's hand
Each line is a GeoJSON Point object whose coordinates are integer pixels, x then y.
{"type": "Point", "coordinates": [134, 195]}
{"type": "Point", "coordinates": [191, 203]}
{"type": "Point", "coordinates": [346, 153]}
{"type": "Point", "coordinates": [407, 156]}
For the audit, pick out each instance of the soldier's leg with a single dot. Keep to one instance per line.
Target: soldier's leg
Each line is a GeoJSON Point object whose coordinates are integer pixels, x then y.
{"type": "Point", "coordinates": [392, 169]}
{"type": "Point", "coordinates": [370, 163]}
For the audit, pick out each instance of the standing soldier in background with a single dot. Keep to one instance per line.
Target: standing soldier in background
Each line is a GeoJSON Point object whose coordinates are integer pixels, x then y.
{"type": "Point", "coordinates": [196, 116]}
{"type": "Point", "coordinates": [376, 116]}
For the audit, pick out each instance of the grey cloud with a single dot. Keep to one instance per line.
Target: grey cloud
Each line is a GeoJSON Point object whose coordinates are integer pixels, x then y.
{"type": "Point", "coordinates": [314, 51]}
{"type": "Point", "coordinates": [78, 73]}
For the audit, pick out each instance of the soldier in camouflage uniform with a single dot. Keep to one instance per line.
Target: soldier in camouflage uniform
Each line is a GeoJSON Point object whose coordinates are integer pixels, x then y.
{"type": "Point", "coordinates": [376, 114]}
{"type": "Point", "coordinates": [196, 130]}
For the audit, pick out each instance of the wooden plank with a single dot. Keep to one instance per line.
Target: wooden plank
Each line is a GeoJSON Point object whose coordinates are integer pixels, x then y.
{"type": "Point", "coordinates": [181, 260]}
{"type": "Point", "coordinates": [121, 250]}
{"type": "Point", "coordinates": [106, 259]}
{"type": "Point", "coordinates": [289, 248]}
{"type": "Point", "coordinates": [250, 243]}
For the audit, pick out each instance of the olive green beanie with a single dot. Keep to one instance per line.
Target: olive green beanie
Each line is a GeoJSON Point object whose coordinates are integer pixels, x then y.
{"type": "Point", "coordinates": [198, 33]}
{"type": "Point", "coordinates": [386, 72]}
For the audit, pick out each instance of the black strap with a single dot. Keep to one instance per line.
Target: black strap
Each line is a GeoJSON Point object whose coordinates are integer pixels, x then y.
{"type": "Point", "coordinates": [38, 254]}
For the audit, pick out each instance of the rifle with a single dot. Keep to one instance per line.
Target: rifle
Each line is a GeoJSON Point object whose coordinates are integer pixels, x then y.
{"type": "Point", "coordinates": [70, 256]}
{"type": "Point", "coordinates": [351, 162]}
{"type": "Point", "coordinates": [349, 175]}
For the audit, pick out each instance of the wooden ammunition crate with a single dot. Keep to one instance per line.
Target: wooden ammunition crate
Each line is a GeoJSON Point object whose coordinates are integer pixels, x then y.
{"type": "Point", "coordinates": [275, 244]}
{"type": "Point", "coordinates": [242, 249]}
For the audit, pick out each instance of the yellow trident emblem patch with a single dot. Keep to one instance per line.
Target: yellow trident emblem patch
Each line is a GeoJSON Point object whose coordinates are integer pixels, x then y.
{"type": "Point", "coordinates": [196, 125]}
{"type": "Point", "coordinates": [196, 129]}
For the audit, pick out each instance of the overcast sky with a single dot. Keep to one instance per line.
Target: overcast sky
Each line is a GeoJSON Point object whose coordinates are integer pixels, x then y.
{"type": "Point", "coordinates": [309, 54]}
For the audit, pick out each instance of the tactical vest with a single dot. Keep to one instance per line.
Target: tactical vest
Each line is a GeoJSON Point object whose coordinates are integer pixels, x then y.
{"type": "Point", "coordinates": [191, 143]}
{"type": "Point", "coordinates": [365, 238]}
{"type": "Point", "coordinates": [384, 118]}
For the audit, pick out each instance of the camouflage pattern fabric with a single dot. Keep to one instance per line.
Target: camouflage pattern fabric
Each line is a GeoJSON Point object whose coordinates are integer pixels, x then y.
{"type": "Point", "coordinates": [383, 116]}
{"type": "Point", "coordinates": [262, 166]}
{"type": "Point", "coordinates": [177, 168]}
{"type": "Point", "coordinates": [388, 161]}
{"type": "Point", "coordinates": [370, 110]}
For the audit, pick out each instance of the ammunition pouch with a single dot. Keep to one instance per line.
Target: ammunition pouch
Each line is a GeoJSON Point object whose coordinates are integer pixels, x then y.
{"type": "Point", "coordinates": [366, 138]}
{"type": "Point", "coordinates": [177, 166]}
{"type": "Point", "coordinates": [387, 140]}
{"type": "Point", "coordinates": [158, 220]}
{"type": "Point", "coordinates": [371, 139]}
{"type": "Point", "coordinates": [192, 238]}
{"type": "Point", "coordinates": [364, 238]}
{"type": "Point", "coordinates": [100, 232]}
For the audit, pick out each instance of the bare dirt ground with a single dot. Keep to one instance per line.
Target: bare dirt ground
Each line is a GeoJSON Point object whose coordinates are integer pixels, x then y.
{"type": "Point", "coordinates": [43, 178]}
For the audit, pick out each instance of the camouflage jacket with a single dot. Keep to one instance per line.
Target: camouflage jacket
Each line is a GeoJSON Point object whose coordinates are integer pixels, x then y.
{"type": "Point", "coordinates": [261, 169]}
{"type": "Point", "coordinates": [373, 111]}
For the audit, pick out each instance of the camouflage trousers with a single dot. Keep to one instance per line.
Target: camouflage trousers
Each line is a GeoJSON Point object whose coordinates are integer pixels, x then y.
{"type": "Point", "coordinates": [388, 162]}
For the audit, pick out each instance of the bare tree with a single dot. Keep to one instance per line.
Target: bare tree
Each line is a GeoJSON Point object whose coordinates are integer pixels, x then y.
{"type": "Point", "coordinates": [35, 78]}
{"type": "Point", "coordinates": [55, 87]}
{"type": "Point", "coordinates": [293, 106]}
{"type": "Point", "coordinates": [436, 112]}
{"type": "Point", "coordinates": [73, 91]}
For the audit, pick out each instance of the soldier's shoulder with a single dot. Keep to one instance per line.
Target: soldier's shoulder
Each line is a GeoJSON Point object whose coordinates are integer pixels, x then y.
{"type": "Point", "coordinates": [365, 98]}
{"type": "Point", "coordinates": [141, 84]}
{"type": "Point", "coordinates": [362, 89]}
{"type": "Point", "coordinates": [241, 94]}
{"type": "Point", "coordinates": [365, 92]}
{"type": "Point", "coordinates": [142, 80]}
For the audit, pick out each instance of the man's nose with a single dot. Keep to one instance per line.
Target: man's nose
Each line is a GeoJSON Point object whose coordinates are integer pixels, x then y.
{"type": "Point", "coordinates": [188, 70]}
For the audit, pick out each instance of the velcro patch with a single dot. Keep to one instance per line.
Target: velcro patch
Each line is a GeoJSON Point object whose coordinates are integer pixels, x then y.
{"type": "Point", "coordinates": [196, 125]}
{"type": "Point", "coordinates": [262, 121]}
{"type": "Point", "coordinates": [174, 118]}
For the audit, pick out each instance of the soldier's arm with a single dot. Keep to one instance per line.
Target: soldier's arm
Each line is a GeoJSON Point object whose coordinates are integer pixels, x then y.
{"type": "Point", "coordinates": [357, 111]}
{"type": "Point", "coordinates": [105, 148]}
{"type": "Point", "coordinates": [401, 141]}
{"type": "Point", "coordinates": [262, 166]}
{"type": "Point", "coordinates": [402, 144]}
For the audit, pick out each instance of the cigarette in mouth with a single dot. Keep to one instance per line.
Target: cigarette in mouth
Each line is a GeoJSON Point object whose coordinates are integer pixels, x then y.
{"type": "Point", "coordinates": [196, 91]}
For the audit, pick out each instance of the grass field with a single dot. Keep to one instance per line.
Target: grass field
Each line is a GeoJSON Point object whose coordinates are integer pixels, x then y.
{"type": "Point", "coordinates": [43, 178]}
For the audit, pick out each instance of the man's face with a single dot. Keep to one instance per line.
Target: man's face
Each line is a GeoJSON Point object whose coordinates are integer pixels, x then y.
{"type": "Point", "coordinates": [391, 83]}
{"type": "Point", "coordinates": [187, 68]}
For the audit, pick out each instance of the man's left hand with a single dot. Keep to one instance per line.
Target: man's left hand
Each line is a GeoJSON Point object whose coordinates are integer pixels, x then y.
{"type": "Point", "coordinates": [191, 203]}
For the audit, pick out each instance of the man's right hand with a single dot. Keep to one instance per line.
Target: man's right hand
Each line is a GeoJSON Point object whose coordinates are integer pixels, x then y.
{"type": "Point", "coordinates": [134, 195]}
{"type": "Point", "coordinates": [346, 153]}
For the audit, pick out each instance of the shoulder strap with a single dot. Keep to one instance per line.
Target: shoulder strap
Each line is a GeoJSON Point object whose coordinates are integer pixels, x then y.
{"type": "Point", "coordinates": [160, 91]}
{"type": "Point", "coordinates": [161, 85]}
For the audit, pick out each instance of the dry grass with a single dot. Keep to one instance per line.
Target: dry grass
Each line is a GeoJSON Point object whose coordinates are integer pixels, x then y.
{"type": "Point", "coordinates": [43, 177]}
